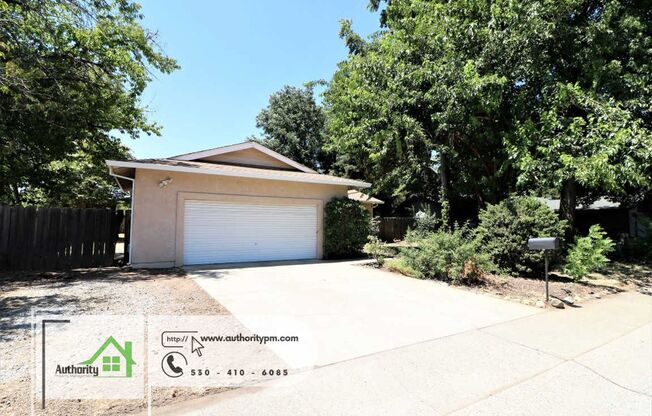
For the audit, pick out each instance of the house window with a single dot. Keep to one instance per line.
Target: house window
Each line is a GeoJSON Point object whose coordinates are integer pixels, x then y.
{"type": "Point", "coordinates": [111, 363]}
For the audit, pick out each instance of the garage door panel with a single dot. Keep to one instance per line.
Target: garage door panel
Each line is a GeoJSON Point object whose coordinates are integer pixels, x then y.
{"type": "Point", "coordinates": [224, 232]}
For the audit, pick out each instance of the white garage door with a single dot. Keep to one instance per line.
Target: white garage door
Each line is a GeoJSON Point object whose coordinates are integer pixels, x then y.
{"type": "Point", "coordinates": [224, 232]}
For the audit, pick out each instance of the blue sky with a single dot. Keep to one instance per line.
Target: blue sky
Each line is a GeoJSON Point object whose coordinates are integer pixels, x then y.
{"type": "Point", "coordinates": [233, 55]}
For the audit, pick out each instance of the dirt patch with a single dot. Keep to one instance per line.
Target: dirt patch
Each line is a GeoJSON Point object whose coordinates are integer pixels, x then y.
{"type": "Point", "coordinates": [617, 277]}
{"type": "Point", "coordinates": [92, 291]}
{"type": "Point", "coordinates": [529, 291]}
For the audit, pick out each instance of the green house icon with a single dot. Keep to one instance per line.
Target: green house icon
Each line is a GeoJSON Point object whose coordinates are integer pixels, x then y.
{"type": "Point", "coordinates": [116, 360]}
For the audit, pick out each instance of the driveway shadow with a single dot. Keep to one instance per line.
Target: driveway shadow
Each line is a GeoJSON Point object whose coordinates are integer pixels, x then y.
{"type": "Point", "coordinates": [246, 265]}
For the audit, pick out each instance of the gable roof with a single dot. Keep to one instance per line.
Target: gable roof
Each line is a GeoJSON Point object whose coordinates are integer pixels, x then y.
{"type": "Point", "coordinates": [356, 195]}
{"type": "Point", "coordinates": [242, 146]}
{"type": "Point", "coordinates": [212, 168]}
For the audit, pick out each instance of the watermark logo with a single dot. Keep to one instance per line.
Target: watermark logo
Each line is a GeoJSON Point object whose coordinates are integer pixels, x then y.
{"type": "Point", "coordinates": [115, 360]}
{"type": "Point", "coordinates": [90, 357]}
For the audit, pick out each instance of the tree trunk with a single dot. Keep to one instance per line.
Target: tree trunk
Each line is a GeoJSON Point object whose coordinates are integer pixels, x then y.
{"type": "Point", "coordinates": [444, 194]}
{"type": "Point", "coordinates": [567, 206]}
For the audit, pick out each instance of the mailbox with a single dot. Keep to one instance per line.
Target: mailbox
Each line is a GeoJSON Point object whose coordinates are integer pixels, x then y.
{"type": "Point", "coordinates": [547, 243]}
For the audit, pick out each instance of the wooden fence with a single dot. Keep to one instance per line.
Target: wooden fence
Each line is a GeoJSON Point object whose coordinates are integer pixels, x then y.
{"type": "Point", "coordinates": [394, 228]}
{"type": "Point", "coordinates": [57, 238]}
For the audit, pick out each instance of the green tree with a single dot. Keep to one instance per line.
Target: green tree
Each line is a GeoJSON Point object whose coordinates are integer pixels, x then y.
{"type": "Point", "coordinates": [584, 124]}
{"type": "Point", "coordinates": [418, 90]}
{"type": "Point", "coordinates": [554, 94]}
{"type": "Point", "coordinates": [71, 76]}
{"type": "Point", "coordinates": [293, 125]}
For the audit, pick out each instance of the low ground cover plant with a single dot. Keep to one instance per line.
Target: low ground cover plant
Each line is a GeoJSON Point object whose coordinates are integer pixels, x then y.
{"type": "Point", "coordinates": [504, 229]}
{"type": "Point", "coordinates": [589, 253]}
{"type": "Point", "coordinates": [399, 265]}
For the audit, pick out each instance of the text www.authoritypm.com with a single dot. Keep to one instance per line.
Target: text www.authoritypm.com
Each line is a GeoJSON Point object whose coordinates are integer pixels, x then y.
{"type": "Point", "coordinates": [260, 339]}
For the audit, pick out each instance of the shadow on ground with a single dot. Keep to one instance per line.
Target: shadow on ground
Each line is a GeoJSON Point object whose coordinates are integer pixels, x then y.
{"type": "Point", "coordinates": [54, 293]}
{"type": "Point", "coordinates": [635, 274]}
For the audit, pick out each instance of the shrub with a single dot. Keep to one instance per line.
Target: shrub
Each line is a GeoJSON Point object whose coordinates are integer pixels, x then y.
{"type": "Point", "coordinates": [376, 249]}
{"type": "Point", "coordinates": [346, 227]}
{"type": "Point", "coordinates": [426, 221]}
{"type": "Point", "coordinates": [446, 256]}
{"type": "Point", "coordinates": [588, 254]}
{"type": "Point", "coordinates": [504, 229]}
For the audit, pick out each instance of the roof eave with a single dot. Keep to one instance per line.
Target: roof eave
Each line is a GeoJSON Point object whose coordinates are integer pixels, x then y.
{"type": "Point", "coordinates": [318, 178]}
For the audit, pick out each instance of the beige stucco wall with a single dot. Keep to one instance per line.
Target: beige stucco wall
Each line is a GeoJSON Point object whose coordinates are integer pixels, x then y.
{"type": "Point", "coordinates": [248, 157]}
{"type": "Point", "coordinates": [157, 229]}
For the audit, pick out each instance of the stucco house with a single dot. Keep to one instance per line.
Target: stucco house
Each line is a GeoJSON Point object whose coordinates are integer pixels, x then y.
{"type": "Point", "coordinates": [237, 203]}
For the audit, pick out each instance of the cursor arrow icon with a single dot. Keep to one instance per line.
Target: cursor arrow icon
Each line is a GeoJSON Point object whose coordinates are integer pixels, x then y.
{"type": "Point", "coordinates": [195, 346]}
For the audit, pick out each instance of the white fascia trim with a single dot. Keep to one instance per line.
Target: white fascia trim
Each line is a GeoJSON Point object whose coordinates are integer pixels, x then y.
{"type": "Point", "coordinates": [256, 175]}
{"type": "Point", "coordinates": [243, 146]}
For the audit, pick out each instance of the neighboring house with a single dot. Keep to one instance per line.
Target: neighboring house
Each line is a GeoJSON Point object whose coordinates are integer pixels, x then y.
{"type": "Point", "coordinates": [369, 202]}
{"type": "Point", "coordinates": [614, 218]}
{"type": "Point", "coordinates": [112, 359]}
{"type": "Point", "coordinates": [235, 203]}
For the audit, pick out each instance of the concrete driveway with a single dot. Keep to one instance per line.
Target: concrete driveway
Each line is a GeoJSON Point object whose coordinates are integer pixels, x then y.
{"type": "Point", "coordinates": [407, 347]}
{"type": "Point", "coordinates": [349, 310]}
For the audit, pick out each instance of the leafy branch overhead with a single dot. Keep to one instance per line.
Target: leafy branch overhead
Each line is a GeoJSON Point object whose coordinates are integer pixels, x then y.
{"type": "Point", "coordinates": [71, 76]}
{"type": "Point", "coordinates": [478, 99]}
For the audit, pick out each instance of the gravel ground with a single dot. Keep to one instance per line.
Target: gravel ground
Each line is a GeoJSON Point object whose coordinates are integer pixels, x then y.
{"type": "Point", "coordinates": [92, 291]}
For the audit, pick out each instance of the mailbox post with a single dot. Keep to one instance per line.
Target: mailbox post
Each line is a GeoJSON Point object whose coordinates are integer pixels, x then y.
{"type": "Point", "coordinates": [545, 244]}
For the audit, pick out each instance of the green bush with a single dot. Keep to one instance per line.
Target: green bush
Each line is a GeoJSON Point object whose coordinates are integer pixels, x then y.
{"type": "Point", "coordinates": [445, 255]}
{"type": "Point", "coordinates": [426, 221]}
{"type": "Point", "coordinates": [589, 253]}
{"type": "Point", "coordinates": [376, 249]}
{"type": "Point", "coordinates": [504, 229]}
{"type": "Point", "coordinates": [346, 227]}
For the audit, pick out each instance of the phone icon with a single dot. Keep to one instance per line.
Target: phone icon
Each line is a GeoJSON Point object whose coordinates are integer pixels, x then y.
{"type": "Point", "coordinates": [173, 363]}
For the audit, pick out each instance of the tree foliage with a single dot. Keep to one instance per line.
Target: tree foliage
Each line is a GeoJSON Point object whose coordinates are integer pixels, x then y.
{"type": "Point", "coordinates": [507, 96]}
{"type": "Point", "coordinates": [416, 103]}
{"type": "Point", "coordinates": [584, 119]}
{"type": "Point", "coordinates": [71, 76]}
{"type": "Point", "coordinates": [293, 125]}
